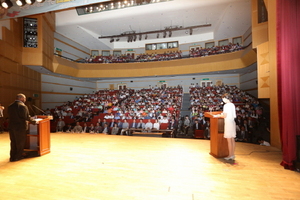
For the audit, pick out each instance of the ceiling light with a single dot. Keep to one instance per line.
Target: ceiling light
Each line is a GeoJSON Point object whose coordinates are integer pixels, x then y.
{"type": "Point", "coordinates": [165, 34]}
{"type": "Point", "coordinates": [157, 35]}
{"type": "Point", "coordinates": [146, 36]}
{"type": "Point", "coordinates": [170, 33]}
{"type": "Point", "coordinates": [6, 4]}
{"type": "Point", "coordinates": [20, 2]}
{"type": "Point", "coordinates": [30, 2]}
{"type": "Point", "coordinates": [112, 40]}
{"type": "Point", "coordinates": [40, 1]}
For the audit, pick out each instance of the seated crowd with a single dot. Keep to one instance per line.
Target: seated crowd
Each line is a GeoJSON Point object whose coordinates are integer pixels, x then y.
{"type": "Point", "coordinates": [139, 58]}
{"type": "Point", "coordinates": [194, 52]}
{"type": "Point", "coordinates": [248, 110]}
{"type": "Point", "coordinates": [146, 109]}
{"type": "Point", "coordinates": [159, 57]}
{"type": "Point", "coordinates": [200, 52]}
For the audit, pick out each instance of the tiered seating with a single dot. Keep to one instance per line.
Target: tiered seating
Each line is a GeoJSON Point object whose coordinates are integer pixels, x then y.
{"type": "Point", "coordinates": [122, 104]}
{"type": "Point", "coordinates": [249, 112]}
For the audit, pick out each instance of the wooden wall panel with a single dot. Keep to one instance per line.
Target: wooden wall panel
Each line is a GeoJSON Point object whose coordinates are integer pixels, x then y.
{"type": "Point", "coordinates": [263, 69]}
{"type": "Point", "coordinates": [14, 77]}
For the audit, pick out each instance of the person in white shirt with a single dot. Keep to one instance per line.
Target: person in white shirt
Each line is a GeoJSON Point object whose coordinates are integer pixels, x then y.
{"type": "Point", "coordinates": [148, 126]}
{"type": "Point", "coordinates": [263, 142]}
{"type": "Point", "coordinates": [156, 125]}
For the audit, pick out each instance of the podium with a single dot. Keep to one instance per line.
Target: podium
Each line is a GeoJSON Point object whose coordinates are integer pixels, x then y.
{"type": "Point", "coordinates": [218, 144]}
{"type": "Point", "coordinates": [38, 137]}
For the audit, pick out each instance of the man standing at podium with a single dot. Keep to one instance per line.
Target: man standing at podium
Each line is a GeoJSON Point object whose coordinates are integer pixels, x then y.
{"type": "Point", "coordinates": [18, 124]}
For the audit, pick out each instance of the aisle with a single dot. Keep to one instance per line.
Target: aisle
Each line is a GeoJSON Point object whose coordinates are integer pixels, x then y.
{"type": "Point", "coordinates": [185, 105]}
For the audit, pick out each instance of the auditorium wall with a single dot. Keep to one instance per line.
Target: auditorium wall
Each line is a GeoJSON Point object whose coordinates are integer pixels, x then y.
{"type": "Point", "coordinates": [170, 81]}
{"type": "Point", "coordinates": [57, 90]}
{"type": "Point", "coordinates": [69, 48]}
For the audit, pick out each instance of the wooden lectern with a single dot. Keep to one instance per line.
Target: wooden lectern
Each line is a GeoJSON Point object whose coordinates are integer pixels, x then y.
{"type": "Point", "coordinates": [38, 137]}
{"type": "Point", "coordinates": [218, 144]}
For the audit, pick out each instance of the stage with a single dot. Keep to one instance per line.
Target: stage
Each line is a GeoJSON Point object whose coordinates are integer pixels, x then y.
{"type": "Point", "coordinates": [115, 167]}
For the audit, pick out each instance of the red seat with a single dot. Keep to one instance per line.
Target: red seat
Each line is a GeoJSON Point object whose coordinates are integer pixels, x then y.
{"type": "Point", "coordinates": [199, 134]}
{"type": "Point", "coordinates": [164, 126]}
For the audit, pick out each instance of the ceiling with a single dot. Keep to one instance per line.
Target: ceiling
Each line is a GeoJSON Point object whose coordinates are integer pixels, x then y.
{"type": "Point", "coordinates": [229, 18]}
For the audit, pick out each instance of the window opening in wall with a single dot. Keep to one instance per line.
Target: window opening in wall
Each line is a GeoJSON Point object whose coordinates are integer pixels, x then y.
{"type": "Point", "coordinates": [209, 45]}
{"type": "Point", "coordinates": [117, 53]}
{"type": "Point", "coordinates": [237, 40]}
{"type": "Point", "coordinates": [105, 53]}
{"type": "Point", "coordinates": [223, 42]}
{"type": "Point", "coordinates": [95, 52]}
{"type": "Point", "coordinates": [163, 45]}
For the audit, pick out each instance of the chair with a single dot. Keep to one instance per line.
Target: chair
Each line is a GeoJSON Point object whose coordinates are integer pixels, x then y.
{"type": "Point", "coordinates": [199, 134]}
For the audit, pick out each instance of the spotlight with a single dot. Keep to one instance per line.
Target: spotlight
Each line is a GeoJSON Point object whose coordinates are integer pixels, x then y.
{"type": "Point", "coordinates": [157, 35]}
{"type": "Point", "coordinates": [6, 4]}
{"type": "Point", "coordinates": [170, 33]}
{"type": "Point", "coordinates": [146, 36]}
{"type": "Point", "coordinates": [165, 34]}
{"type": "Point", "coordinates": [191, 31]}
{"type": "Point", "coordinates": [134, 38]}
{"type": "Point", "coordinates": [20, 2]}
{"type": "Point", "coordinates": [112, 40]}
{"type": "Point", "coordinates": [140, 37]}
{"type": "Point", "coordinates": [40, 1]}
{"type": "Point", "coordinates": [117, 39]}
{"type": "Point", "coordinates": [30, 2]}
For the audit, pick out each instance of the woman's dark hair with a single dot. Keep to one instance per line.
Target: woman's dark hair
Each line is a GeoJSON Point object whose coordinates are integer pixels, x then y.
{"type": "Point", "coordinates": [227, 96]}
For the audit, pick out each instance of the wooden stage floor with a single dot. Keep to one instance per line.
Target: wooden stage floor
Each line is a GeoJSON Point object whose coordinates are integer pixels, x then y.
{"type": "Point", "coordinates": [110, 167]}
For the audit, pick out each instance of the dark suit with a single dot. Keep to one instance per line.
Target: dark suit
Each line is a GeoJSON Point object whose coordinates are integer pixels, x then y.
{"type": "Point", "coordinates": [197, 126]}
{"type": "Point", "coordinates": [173, 126]}
{"type": "Point", "coordinates": [133, 125]}
{"type": "Point", "coordinates": [111, 124]}
{"type": "Point", "coordinates": [18, 117]}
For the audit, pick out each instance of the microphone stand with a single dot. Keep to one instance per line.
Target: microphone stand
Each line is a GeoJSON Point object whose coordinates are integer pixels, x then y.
{"type": "Point", "coordinates": [40, 109]}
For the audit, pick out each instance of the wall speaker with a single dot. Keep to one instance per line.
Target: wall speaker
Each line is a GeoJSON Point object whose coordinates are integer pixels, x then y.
{"type": "Point", "coordinates": [71, 88]}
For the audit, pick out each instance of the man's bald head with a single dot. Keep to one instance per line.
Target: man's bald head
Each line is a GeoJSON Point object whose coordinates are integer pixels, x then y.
{"type": "Point", "coordinates": [21, 97]}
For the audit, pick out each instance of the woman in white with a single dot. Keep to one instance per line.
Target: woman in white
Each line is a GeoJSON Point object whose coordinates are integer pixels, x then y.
{"type": "Point", "coordinates": [230, 127]}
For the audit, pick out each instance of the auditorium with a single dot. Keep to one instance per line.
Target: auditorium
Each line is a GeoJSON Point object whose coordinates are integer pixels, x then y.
{"type": "Point", "coordinates": [128, 99]}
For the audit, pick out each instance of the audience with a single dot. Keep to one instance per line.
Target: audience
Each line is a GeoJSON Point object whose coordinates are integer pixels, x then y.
{"type": "Point", "coordinates": [156, 106]}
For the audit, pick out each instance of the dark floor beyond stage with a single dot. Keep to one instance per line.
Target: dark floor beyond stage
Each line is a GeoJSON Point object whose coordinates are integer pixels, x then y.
{"type": "Point", "coordinates": [108, 167]}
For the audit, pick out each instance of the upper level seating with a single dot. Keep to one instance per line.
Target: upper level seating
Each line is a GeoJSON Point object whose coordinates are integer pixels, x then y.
{"type": "Point", "coordinates": [198, 52]}
{"type": "Point", "coordinates": [194, 52]}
